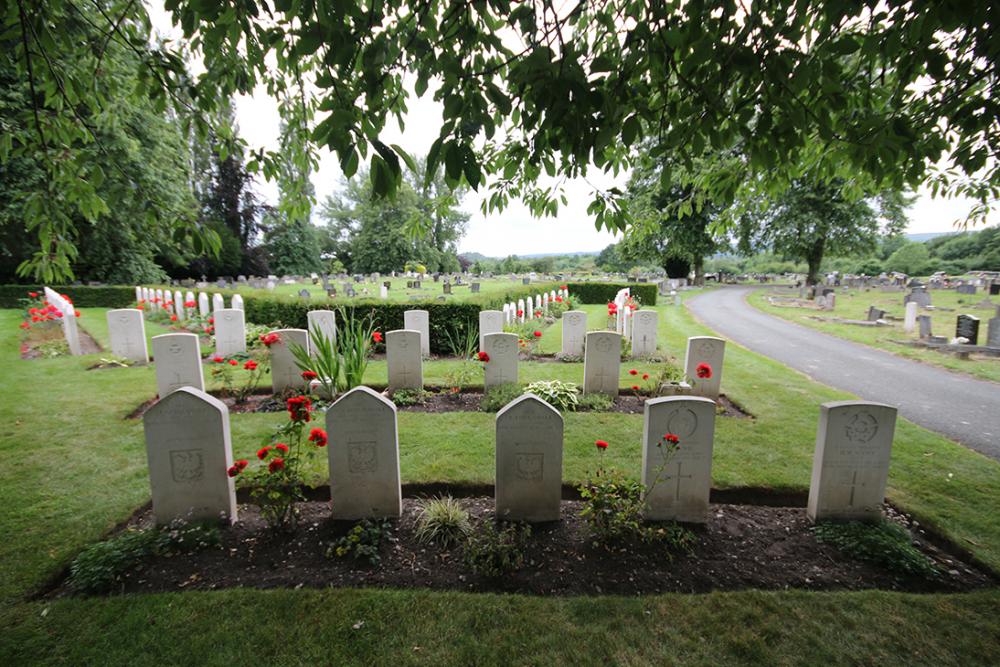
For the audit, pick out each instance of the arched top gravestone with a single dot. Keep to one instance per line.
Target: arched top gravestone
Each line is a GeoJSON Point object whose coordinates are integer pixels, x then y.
{"type": "Point", "coordinates": [285, 373]}
{"type": "Point", "coordinates": [529, 452]}
{"type": "Point", "coordinates": [127, 330]}
{"type": "Point", "coordinates": [188, 449]}
{"type": "Point", "coordinates": [177, 357]}
{"type": "Point", "coordinates": [363, 452]}
{"type": "Point", "coordinates": [851, 461]}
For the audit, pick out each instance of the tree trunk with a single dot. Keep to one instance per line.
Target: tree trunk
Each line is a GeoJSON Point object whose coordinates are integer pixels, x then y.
{"type": "Point", "coordinates": [813, 260]}
{"type": "Point", "coordinates": [699, 271]}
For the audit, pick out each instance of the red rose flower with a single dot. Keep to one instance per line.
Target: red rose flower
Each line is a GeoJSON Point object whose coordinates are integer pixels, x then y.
{"type": "Point", "coordinates": [190, 304]}
{"type": "Point", "coordinates": [217, 359]}
{"type": "Point", "coordinates": [270, 339]}
{"type": "Point", "coordinates": [77, 313]}
{"type": "Point", "coordinates": [25, 325]}
{"type": "Point", "coordinates": [558, 299]}
{"type": "Point", "coordinates": [250, 365]}
{"type": "Point", "coordinates": [173, 318]}
{"type": "Point", "coordinates": [601, 444]}
{"type": "Point", "coordinates": [33, 295]}
{"type": "Point", "coordinates": [520, 313]}
{"type": "Point", "coordinates": [282, 447]}
{"type": "Point", "coordinates": [563, 287]}
{"type": "Point", "coordinates": [211, 320]}
{"type": "Point", "coordinates": [377, 336]}
{"type": "Point", "coordinates": [242, 463]}
{"type": "Point", "coordinates": [672, 439]}
{"type": "Point", "coordinates": [704, 371]}
{"type": "Point", "coordinates": [140, 307]}
{"type": "Point", "coordinates": [299, 408]}
{"type": "Point", "coordinates": [645, 376]}
{"type": "Point", "coordinates": [635, 387]}
{"type": "Point", "coordinates": [233, 470]}
{"type": "Point", "coordinates": [318, 437]}
{"type": "Point", "coordinates": [633, 372]}
{"type": "Point", "coordinates": [309, 375]}
{"type": "Point", "coordinates": [483, 357]}
{"type": "Point", "coordinates": [538, 334]}
{"type": "Point", "coordinates": [233, 362]}
{"type": "Point", "coordinates": [275, 465]}
{"type": "Point", "coordinates": [262, 452]}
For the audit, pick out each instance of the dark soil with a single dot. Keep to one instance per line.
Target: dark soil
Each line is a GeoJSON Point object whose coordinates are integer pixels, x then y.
{"type": "Point", "coordinates": [438, 402]}
{"type": "Point", "coordinates": [741, 547]}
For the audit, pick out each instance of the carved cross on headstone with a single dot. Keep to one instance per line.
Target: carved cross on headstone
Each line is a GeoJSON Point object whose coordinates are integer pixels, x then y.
{"type": "Point", "coordinates": [678, 477]}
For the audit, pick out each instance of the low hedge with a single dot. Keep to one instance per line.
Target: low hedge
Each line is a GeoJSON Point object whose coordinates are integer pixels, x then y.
{"type": "Point", "coordinates": [445, 318]}
{"type": "Point", "coordinates": [605, 292]}
{"type": "Point", "coordinates": [83, 296]}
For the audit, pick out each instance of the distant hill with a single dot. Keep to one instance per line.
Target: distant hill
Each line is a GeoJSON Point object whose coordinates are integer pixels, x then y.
{"type": "Point", "coordinates": [475, 256]}
{"type": "Point", "coordinates": [927, 236]}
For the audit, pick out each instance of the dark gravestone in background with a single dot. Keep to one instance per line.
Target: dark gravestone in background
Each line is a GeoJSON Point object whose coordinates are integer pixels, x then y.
{"type": "Point", "coordinates": [968, 327]}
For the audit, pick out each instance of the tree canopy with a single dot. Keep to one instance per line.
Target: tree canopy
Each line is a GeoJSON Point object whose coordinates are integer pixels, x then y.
{"type": "Point", "coordinates": [822, 88]}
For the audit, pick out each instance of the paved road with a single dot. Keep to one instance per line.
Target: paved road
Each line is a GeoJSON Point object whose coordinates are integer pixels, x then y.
{"type": "Point", "coordinates": [960, 407]}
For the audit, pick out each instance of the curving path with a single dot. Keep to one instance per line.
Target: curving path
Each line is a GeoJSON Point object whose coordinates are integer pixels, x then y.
{"type": "Point", "coordinates": [960, 407]}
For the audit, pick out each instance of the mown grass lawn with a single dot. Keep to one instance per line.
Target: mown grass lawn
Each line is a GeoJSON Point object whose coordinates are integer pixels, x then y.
{"type": "Point", "coordinates": [73, 468]}
{"type": "Point", "coordinates": [854, 305]}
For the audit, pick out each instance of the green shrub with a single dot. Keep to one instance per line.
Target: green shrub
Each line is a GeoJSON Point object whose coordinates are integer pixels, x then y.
{"type": "Point", "coordinates": [595, 402]}
{"type": "Point", "coordinates": [99, 567]}
{"type": "Point", "coordinates": [494, 551]}
{"type": "Point", "coordinates": [363, 542]}
{"type": "Point", "coordinates": [409, 396]}
{"type": "Point", "coordinates": [605, 292]}
{"type": "Point", "coordinates": [82, 296]}
{"type": "Point", "coordinates": [442, 521]}
{"type": "Point", "coordinates": [561, 395]}
{"type": "Point", "coordinates": [495, 398]}
{"type": "Point", "coordinates": [883, 543]}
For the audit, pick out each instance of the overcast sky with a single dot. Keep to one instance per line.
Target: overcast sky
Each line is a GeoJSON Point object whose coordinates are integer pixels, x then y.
{"type": "Point", "coordinates": [514, 231]}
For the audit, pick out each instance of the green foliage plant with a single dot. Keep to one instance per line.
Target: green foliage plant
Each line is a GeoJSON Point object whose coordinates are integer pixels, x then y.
{"type": "Point", "coordinates": [362, 542]}
{"type": "Point", "coordinates": [323, 359]}
{"type": "Point", "coordinates": [442, 521]}
{"type": "Point", "coordinates": [498, 396]}
{"type": "Point", "coordinates": [883, 543]}
{"type": "Point", "coordinates": [563, 396]}
{"type": "Point", "coordinates": [410, 396]}
{"type": "Point", "coordinates": [496, 548]}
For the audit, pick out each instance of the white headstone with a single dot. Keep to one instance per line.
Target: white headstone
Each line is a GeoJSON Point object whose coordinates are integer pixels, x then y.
{"type": "Point", "coordinates": [158, 303]}
{"type": "Point", "coordinates": [705, 350]}
{"type": "Point", "coordinates": [138, 294]}
{"type": "Point", "coordinates": [403, 357]}
{"type": "Point", "coordinates": [363, 456]}
{"type": "Point", "coordinates": [418, 320]}
{"type": "Point", "coordinates": [502, 366]}
{"type": "Point", "coordinates": [851, 461]}
{"type": "Point", "coordinates": [218, 303]}
{"type": "Point", "coordinates": [203, 309]}
{"type": "Point", "coordinates": [230, 331]}
{"type": "Point", "coordinates": [521, 310]}
{"type": "Point", "coordinates": [490, 321]}
{"type": "Point", "coordinates": [602, 363]}
{"type": "Point", "coordinates": [910, 318]}
{"type": "Point", "coordinates": [178, 362]}
{"type": "Point", "coordinates": [128, 334]}
{"type": "Point", "coordinates": [285, 374]}
{"type": "Point", "coordinates": [383, 292]}
{"type": "Point", "coordinates": [237, 302]}
{"type": "Point", "coordinates": [529, 449]}
{"type": "Point", "coordinates": [678, 482]}
{"type": "Point", "coordinates": [323, 323]}
{"type": "Point", "coordinates": [188, 449]}
{"type": "Point", "coordinates": [179, 309]}
{"type": "Point", "coordinates": [67, 321]}
{"type": "Point", "coordinates": [574, 332]}
{"type": "Point", "coordinates": [644, 325]}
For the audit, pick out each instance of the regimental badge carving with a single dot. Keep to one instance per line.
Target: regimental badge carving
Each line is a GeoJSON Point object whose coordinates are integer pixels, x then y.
{"type": "Point", "coordinates": [682, 422]}
{"type": "Point", "coordinates": [604, 344]}
{"type": "Point", "coordinates": [362, 457]}
{"type": "Point", "coordinates": [123, 318]}
{"type": "Point", "coordinates": [229, 317]}
{"type": "Point", "coordinates": [187, 466]}
{"type": "Point", "coordinates": [704, 348]}
{"type": "Point", "coordinates": [646, 318]}
{"type": "Point", "coordinates": [502, 346]}
{"type": "Point", "coordinates": [861, 427]}
{"type": "Point", "coordinates": [574, 319]}
{"type": "Point", "coordinates": [175, 348]}
{"type": "Point", "coordinates": [529, 467]}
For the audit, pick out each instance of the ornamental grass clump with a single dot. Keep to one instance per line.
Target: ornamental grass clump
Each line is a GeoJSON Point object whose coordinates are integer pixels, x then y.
{"type": "Point", "coordinates": [496, 548]}
{"type": "Point", "coordinates": [277, 480]}
{"type": "Point", "coordinates": [442, 521]}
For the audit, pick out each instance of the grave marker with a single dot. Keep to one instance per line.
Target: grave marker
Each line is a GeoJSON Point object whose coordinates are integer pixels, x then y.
{"type": "Point", "coordinates": [967, 327]}
{"type": "Point", "coordinates": [418, 320]}
{"type": "Point", "coordinates": [322, 323]}
{"type": "Point", "coordinates": [910, 317]}
{"type": "Point", "coordinates": [574, 332]}
{"type": "Point", "coordinates": [363, 454]}
{"type": "Point", "coordinates": [502, 366]}
{"type": "Point", "coordinates": [851, 461]}
{"type": "Point", "coordinates": [529, 450]}
{"type": "Point", "coordinates": [128, 334]}
{"type": "Point", "coordinates": [602, 363]}
{"type": "Point", "coordinates": [230, 332]}
{"type": "Point", "coordinates": [285, 373]}
{"type": "Point", "coordinates": [177, 357]}
{"type": "Point", "coordinates": [705, 350]}
{"type": "Point", "coordinates": [218, 303]}
{"type": "Point", "coordinates": [402, 353]}
{"type": "Point", "coordinates": [644, 325]}
{"type": "Point", "coordinates": [490, 321]}
{"type": "Point", "coordinates": [188, 450]}
{"type": "Point", "coordinates": [203, 308]}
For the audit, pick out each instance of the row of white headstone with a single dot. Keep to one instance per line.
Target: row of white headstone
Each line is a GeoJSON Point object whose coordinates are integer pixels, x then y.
{"type": "Point", "coordinates": [68, 320]}
{"type": "Point", "coordinates": [524, 309]}
{"type": "Point", "coordinates": [189, 450]}
{"type": "Point", "coordinates": [173, 302]}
